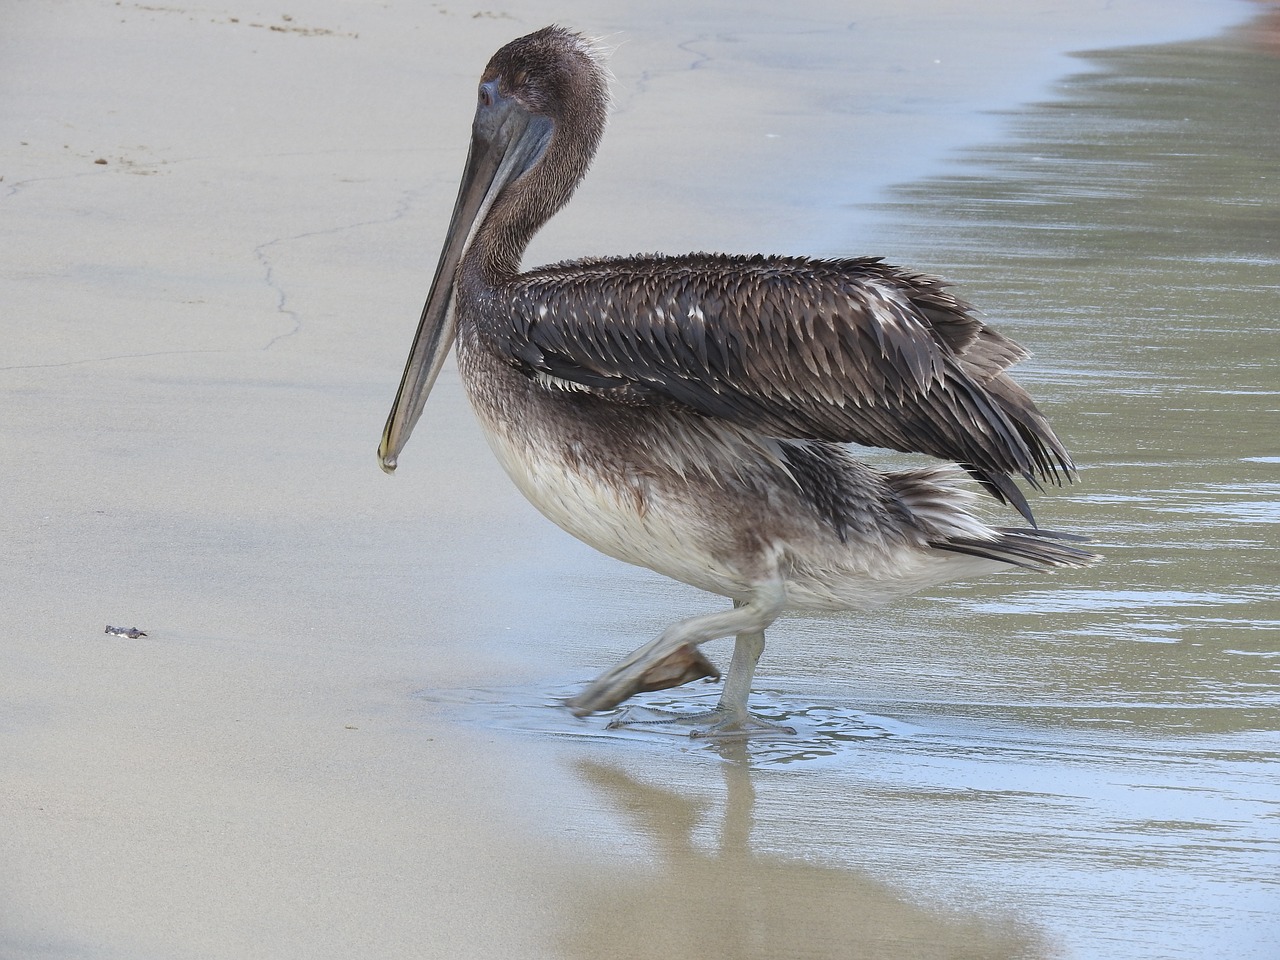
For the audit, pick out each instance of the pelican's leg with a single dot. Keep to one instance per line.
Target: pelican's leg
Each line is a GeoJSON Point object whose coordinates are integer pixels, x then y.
{"type": "Point", "coordinates": [747, 648]}
{"type": "Point", "coordinates": [730, 718]}
{"type": "Point", "coordinates": [678, 643]}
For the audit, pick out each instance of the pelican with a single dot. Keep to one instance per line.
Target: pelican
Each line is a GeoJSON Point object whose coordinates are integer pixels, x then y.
{"type": "Point", "coordinates": [691, 414]}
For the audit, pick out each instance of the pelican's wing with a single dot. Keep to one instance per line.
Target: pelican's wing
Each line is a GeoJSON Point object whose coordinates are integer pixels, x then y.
{"type": "Point", "coordinates": [850, 351]}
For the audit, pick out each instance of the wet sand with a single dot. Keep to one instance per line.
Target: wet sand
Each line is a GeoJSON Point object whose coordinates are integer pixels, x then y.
{"type": "Point", "coordinates": [338, 738]}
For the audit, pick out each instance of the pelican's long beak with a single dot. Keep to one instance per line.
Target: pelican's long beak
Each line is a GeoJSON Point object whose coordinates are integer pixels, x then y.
{"type": "Point", "coordinates": [506, 141]}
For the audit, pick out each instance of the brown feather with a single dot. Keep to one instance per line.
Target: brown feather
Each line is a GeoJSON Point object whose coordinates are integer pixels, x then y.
{"type": "Point", "coordinates": [836, 350]}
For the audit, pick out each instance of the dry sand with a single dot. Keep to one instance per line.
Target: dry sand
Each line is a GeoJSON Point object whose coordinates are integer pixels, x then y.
{"type": "Point", "coordinates": [202, 335]}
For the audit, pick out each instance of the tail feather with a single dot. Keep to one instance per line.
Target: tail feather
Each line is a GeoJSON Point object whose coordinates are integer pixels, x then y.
{"type": "Point", "coordinates": [1032, 549]}
{"type": "Point", "coordinates": [940, 502]}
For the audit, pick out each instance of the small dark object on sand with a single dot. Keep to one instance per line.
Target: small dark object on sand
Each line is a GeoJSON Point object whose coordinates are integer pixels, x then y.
{"type": "Point", "coordinates": [133, 633]}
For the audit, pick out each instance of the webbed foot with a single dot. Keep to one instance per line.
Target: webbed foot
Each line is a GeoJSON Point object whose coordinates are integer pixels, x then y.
{"type": "Point", "coordinates": [718, 724]}
{"type": "Point", "coordinates": [640, 673]}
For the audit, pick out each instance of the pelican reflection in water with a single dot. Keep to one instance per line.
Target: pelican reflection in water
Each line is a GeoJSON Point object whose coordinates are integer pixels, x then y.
{"type": "Point", "coordinates": [690, 413]}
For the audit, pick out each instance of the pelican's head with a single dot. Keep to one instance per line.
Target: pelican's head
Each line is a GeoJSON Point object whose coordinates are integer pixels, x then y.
{"type": "Point", "coordinates": [540, 112]}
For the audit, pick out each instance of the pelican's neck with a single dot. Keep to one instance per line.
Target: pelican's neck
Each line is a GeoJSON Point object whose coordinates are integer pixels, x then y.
{"type": "Point", "coordinates": [526, 204]}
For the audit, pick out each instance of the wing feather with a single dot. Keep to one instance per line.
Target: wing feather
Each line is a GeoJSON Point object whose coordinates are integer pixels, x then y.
{"type": "Point", "coordinates": [834, 350]}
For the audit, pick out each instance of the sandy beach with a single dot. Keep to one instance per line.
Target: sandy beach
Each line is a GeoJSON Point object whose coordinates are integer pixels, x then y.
{"type": "Point", "coordinates": [220, 224]}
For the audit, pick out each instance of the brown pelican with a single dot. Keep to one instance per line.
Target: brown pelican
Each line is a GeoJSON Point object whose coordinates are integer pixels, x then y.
{"type": "Point", "coordinates": [690, 414]}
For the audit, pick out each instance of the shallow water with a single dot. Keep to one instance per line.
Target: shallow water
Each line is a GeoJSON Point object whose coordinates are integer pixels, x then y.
{"type": "Point", "coordinates": [1080, 766]}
